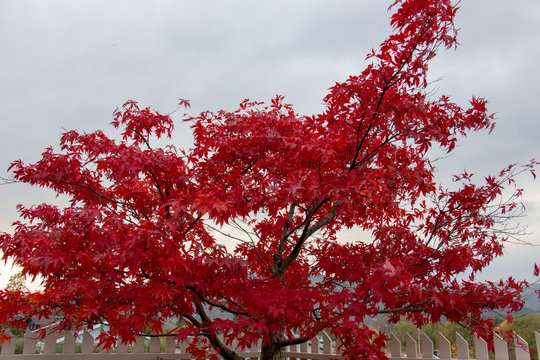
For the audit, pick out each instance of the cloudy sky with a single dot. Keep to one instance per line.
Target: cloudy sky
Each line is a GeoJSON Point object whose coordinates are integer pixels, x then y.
{"type": "Point", "coordinates": [68, 64]}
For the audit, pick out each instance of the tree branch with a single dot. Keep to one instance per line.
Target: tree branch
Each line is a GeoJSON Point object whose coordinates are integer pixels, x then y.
{"type": "Point", "coordinates": [308, 231]}
{"type": "Point", "coordinates": [158, 187]}
{"type": "Point", "coordinates": [99, 195]}
{"type": "Point", "coordinates": [224, 351]}
{"type": "Point", "coordinates": [283, 241]}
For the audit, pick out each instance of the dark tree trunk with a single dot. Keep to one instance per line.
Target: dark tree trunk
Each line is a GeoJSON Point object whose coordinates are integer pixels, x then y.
{"type": "Point", "coordinates": [270, 351]}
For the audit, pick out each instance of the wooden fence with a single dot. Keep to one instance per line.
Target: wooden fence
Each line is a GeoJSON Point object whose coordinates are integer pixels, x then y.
{"type": "Point", "coordinates": [319, 348]}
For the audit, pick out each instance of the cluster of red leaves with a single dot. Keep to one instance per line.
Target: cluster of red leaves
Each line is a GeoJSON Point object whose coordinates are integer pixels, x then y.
{"type": "Point", "coordinates": [139, 241]}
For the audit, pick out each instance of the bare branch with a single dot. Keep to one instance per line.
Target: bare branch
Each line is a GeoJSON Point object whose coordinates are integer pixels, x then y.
{"type": "Point", "coordinates": [308, 231]}
{"type": "Point", "coordinates": [225, 351]}
{"type": "Point", "coordinates": [325, 220]}
{"type": "Point", "coordinates": [6, 181]}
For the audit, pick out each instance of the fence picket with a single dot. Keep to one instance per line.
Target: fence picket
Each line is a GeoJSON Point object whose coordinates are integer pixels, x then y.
{"type": "Point", "coordinates": [69, 343]}
{"type": "Point", "coordinates": [304, 347]}
{"type": "Point", "coordinates": [122, 348]}
{"type": "Point", "coordinates": [155, 345]}
{"type": "Point", "coordinates": [327, 343]}
{"type": "Point", "coordinates": [462, 347]}
{"type": "Point", "coordinates": [87, 343]}
{"type": "Point", "coordinates": [30, 343]}
{"type": "Point", "coordinates": [395, 346]}
{"type": "Point", "coordinates": [480, 348]}
{"type": "Point", "coordinates": [138, 347]}
{"type": "Point", "coordinates": [8, 347]}
{"type": "Point", "coordinates": [315, 345]}
{"type": "Point", "coordinates": [521, 348]}
{"type": "Point", "coordinates": [411, 346]}
{"type": "Point", "coordinates": [49, 346]}
{"type": "Point", "coordinates": [426, 345]}
{"type": "Point", "coordinates": [537, 337]}
{"type": "Point", "coordinates": [445, 348]}
{"type": "Point", "coordinates": [170, 345]}
{"type": "Point", "coordinates": [182, 346]}
{"type": "Point", "coordinates": [319, 349]}
{"type": "Point", "coordinates": [501, 348]}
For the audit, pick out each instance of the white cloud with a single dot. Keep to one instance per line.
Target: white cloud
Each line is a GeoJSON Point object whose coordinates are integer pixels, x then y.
{"type": "Point", "coordinates": [68, 64]}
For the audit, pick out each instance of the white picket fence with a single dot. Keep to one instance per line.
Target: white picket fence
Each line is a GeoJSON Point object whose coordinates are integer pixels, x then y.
{"type": "Point", "coordinates": [319, 348]}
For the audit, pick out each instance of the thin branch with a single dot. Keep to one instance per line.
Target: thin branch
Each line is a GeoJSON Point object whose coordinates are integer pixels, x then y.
{"type": "Point", "coordinates": [98, 194]}
{"type": "Point", "coordinates": [193, 224]}
{"type": "Point", "coordinates": [225, 234]}
{"type": "Point", "coordinates": [284, 236]}
{"type": "Point", "coordinates": [146, 140]}
{"type": "Point", "coordinates": [161, 194]}
{"type": "Point", "coordinates": [254, 246]}
{"type": "Point", "coordinates": [408, 308]}
{"type": "Point", "coordinates": [220, 306]}
{"type": "Point", "coordinates": [308, 231]}
{"type": "Point", "coordinates": [6, 181]}
{"type": "Point", "coordinates": [359, 147]}
{"type": "Point", "coordinates": [325, 220]}
{"type": "Point", "coordinates": [224, 351]}
{"type": "Point", "coordinates": [370, 155]}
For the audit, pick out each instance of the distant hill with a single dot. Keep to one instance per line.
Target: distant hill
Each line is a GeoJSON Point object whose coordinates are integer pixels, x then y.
{"type": "Point", "coordinates": [532, 302]}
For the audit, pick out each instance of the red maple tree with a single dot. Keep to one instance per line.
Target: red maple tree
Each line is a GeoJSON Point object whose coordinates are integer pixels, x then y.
{"type": "Point", "coordinates": [142, 238]}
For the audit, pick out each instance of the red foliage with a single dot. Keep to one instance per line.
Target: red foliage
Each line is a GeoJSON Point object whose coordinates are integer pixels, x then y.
{"type": "Point", "coordinates": [142, 239]}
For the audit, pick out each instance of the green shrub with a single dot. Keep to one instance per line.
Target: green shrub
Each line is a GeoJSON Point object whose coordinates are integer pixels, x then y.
{"type": "Point", "coordinates": [19, 344]}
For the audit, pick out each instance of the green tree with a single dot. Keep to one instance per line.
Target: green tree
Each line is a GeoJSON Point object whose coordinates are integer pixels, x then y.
{"type": "Point", "coordinates": [432, 330]}
{"type": "Point", "coordinates": [450, 329]}
{"type": "Point", "coordinates": [525, 326]}
{"type": "Point", "coordinates": [401, 329]}
{"type": "Point", "coordinates": [16, 282]}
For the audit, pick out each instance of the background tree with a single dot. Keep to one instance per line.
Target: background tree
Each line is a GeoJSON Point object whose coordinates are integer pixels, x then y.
{"type": "Point", "coordinates": [149, 231]}
{"type": "Point", "coordinates": [525, 326]}
{"type": "Point", "coordinates": [432, 330]}
{"type": "Point", "coordinates": [16, 282]}
{"type": "Point", "coordinates": [401, 329]}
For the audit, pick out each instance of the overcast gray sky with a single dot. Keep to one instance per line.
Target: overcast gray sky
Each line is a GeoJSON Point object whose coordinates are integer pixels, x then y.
{"type": "Point", "coordinates": [68, 64]}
